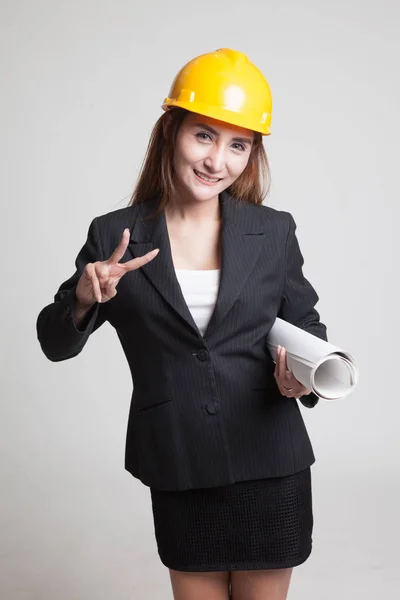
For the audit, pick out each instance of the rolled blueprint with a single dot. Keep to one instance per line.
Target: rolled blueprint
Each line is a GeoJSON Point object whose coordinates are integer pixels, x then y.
{"type": "Point", "coordinates": [327, 370]}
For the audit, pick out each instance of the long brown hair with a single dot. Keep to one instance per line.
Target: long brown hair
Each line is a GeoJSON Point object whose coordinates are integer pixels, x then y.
{"type": "Point", "coordinates": [156, 174]}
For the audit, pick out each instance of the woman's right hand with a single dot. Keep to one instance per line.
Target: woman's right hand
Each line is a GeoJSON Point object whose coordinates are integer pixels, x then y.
{"type": "Point", "coordinates": [99, 280]}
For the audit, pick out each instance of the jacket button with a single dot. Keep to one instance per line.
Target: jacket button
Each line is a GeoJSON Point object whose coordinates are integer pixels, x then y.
{"type": "Point", "coordinates": [202, 355]}
{"type": "Point", "coordinates": [212, 408]}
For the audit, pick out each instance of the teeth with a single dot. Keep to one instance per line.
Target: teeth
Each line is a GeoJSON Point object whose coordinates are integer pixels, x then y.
{"type": "Point", "coordinates": [206, 178]}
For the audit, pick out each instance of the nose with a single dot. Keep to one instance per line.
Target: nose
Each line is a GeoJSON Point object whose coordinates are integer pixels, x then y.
{"type": "Point", "coordinates": [215, 159]}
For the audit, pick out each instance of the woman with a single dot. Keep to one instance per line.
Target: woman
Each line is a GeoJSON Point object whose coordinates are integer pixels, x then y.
{"type": "Point", "coordinates": [202, 269]}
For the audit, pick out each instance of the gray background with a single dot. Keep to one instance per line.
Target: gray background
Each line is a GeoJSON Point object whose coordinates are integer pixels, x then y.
{"type": "Point", "coordinates": [82, 86]}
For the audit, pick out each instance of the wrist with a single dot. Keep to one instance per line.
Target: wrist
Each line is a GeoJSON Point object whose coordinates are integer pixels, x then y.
{"type": "Point", "coordinates": [80, 306]}
{"type": "Point", "coordinates": [83, 308]}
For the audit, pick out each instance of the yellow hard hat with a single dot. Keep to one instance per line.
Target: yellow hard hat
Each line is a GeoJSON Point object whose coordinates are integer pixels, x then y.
{"type": "Point", "coordinates": [224, 85]}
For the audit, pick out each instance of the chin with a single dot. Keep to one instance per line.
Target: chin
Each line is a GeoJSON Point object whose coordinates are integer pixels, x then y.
{"type": "Point", "coordinates": [204, 192]}
{"type": "Point", "coordinates": [197, 191]}
{"type": "Point", "coordinates": [206, 195]}
{"type": "Point", "coordinates": [201, 194]}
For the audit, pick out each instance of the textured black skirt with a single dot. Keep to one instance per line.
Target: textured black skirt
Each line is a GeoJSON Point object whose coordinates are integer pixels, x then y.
{"type": "Point", "coordinates": [259, 524]}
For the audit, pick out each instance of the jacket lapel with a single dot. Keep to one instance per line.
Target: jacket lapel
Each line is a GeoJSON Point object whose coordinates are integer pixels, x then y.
{"type": "Point", "coordinates": [241, 241]}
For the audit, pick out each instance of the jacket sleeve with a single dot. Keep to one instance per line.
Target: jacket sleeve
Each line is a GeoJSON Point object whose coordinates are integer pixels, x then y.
{"type": "Point", "coordinates": [299, 298]}
{"type": "Point", "coordinates": [57, 332]}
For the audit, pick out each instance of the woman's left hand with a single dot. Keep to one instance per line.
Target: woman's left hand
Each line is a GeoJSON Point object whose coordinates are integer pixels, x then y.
{"type": "Point", "coordinates": [287, 382]}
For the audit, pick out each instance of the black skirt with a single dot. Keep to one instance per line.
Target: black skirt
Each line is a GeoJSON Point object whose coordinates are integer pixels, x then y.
{"type": "Point", "coordinates": [259, 524]}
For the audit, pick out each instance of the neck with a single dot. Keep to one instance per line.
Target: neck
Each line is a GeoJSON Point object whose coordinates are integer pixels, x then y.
{"type": "Point", "coordinates": [193, 211]}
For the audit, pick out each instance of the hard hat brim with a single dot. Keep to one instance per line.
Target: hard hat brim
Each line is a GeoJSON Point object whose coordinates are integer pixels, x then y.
{"type": "Point", "coordinates": [219, 113]}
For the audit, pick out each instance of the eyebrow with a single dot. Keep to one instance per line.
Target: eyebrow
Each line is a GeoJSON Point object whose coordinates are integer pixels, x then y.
{"type": "Point", "coordinates": [212, 130]}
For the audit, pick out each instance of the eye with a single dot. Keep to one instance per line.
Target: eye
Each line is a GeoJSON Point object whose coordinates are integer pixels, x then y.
{"type": "Point", "coordinates": [202, 133]}
{"type": "Point", "coordinates": [243, 149]}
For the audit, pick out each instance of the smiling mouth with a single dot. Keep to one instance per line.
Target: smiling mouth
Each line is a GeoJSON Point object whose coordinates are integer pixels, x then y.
{"type": "Point", "coordinates": [206, 178]}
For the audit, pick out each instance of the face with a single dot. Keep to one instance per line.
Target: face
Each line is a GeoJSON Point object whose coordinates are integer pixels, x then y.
{"type": "Point", "coordinates": [209, 156]}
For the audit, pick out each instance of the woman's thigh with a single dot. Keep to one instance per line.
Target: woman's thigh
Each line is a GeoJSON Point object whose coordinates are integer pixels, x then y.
{"type": "Point", "coordinates": [199, 586]}
{"type": "Point", "coordinates": [261, 585]}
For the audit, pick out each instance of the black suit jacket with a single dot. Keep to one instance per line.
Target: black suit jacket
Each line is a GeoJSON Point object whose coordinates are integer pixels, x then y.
{"type": "Point", "coordinates": [205, 410]}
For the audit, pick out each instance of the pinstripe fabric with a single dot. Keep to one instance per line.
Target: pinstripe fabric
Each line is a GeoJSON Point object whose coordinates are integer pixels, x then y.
{"type": "Point", "coordinates": [205, 410]}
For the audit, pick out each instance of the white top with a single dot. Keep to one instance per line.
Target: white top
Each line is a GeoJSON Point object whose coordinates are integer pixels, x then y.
{"type": "Point", "coordinates": [199, 288]}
